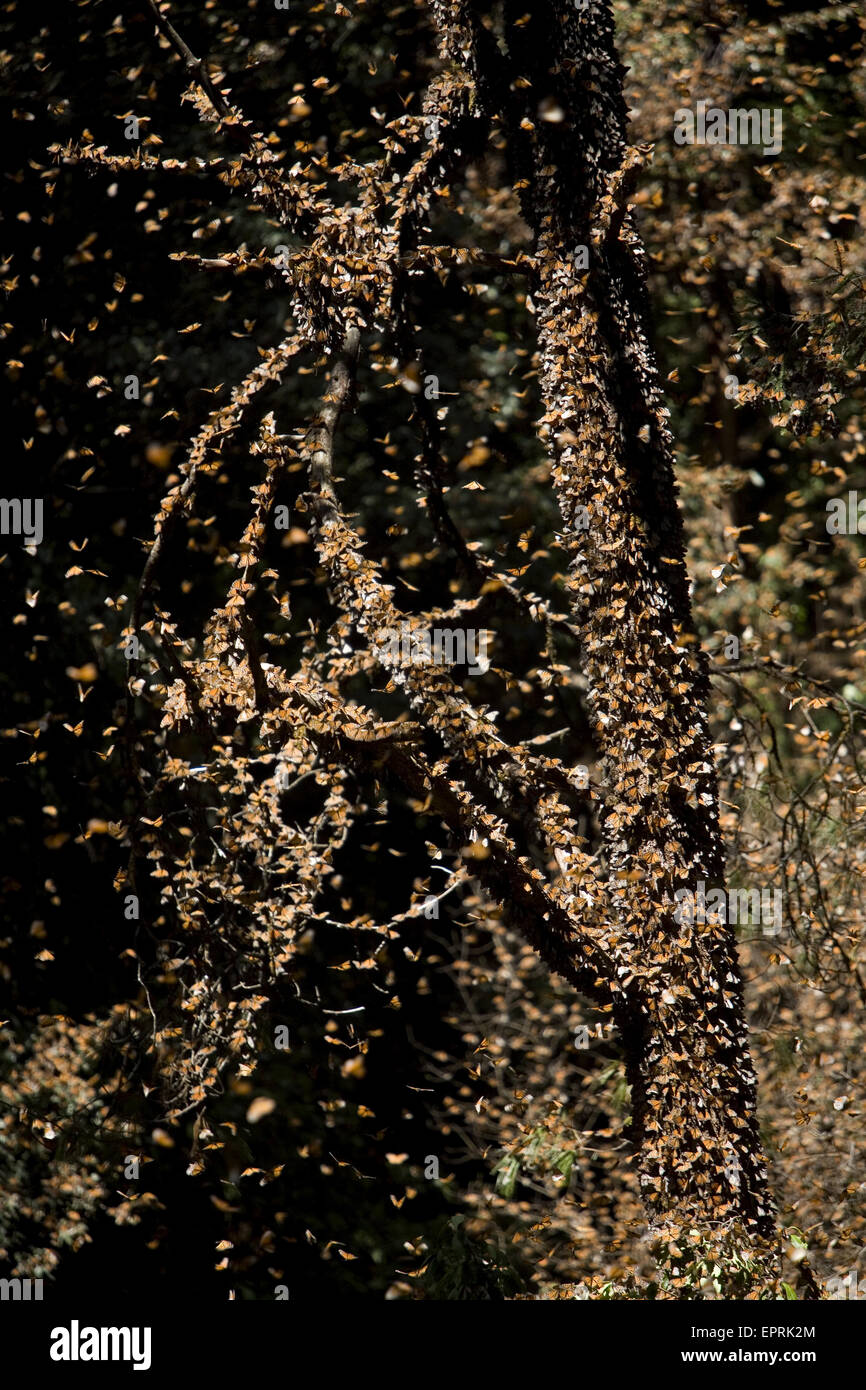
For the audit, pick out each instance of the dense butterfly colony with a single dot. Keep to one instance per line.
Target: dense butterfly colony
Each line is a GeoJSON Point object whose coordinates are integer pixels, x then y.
{"type": "Point", "coordinates": [322, 839]}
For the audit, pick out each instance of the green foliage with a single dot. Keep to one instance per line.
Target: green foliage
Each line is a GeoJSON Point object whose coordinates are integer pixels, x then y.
{"type": "Point", "coordinates": [537, 1155]}
{"type": "Point", "coordinates": [462, 1266]}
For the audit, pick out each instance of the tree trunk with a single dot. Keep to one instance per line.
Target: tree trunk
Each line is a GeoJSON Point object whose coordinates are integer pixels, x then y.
{"type": "Point", "coordinates": [677, 990]}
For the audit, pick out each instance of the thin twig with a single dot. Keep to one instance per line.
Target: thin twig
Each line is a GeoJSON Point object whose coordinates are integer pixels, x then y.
{"type": "Point", "coordinates": [193, 64]}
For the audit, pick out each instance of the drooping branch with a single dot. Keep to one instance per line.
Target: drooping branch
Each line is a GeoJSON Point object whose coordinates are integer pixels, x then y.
{"type": "Point", "coordinates": [504, 774]}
